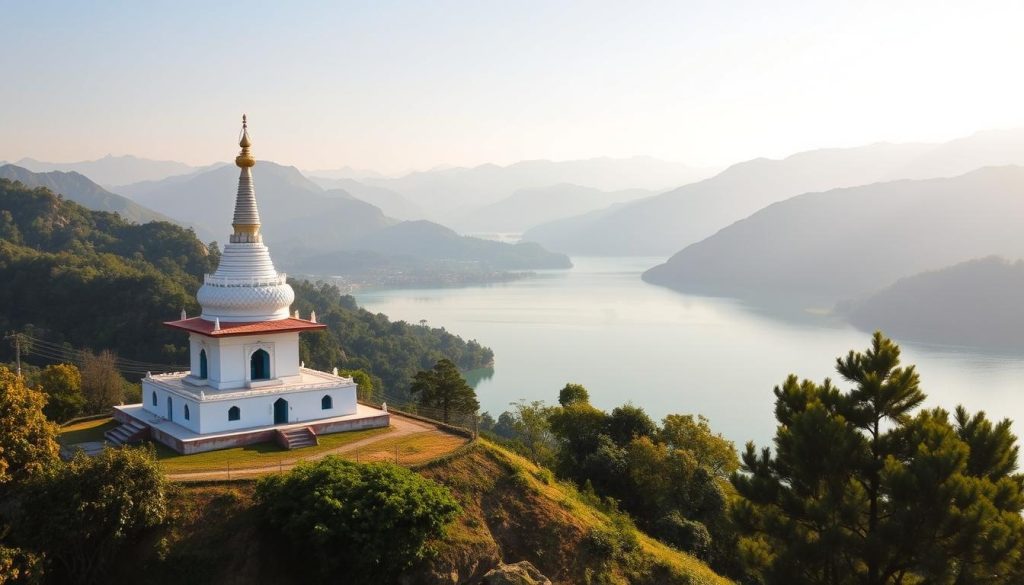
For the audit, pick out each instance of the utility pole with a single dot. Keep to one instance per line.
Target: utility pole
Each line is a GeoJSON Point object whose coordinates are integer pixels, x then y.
{"type": "Point", "coordinates": [17, 349]}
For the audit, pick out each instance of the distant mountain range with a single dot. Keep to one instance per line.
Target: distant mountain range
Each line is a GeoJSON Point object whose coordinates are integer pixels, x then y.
{"type": "Point", "coordinates": [393, 204]}
{"type": "Point", "coordinates": [302, 221]}
{"type": "Point", "coordinates": [111, 171]}
{"type": "Point", "coordinates": [975, 303]}
{"type": "Point", "coordinates": [665, 223]}
{"type": "Point", "coordinates": [846, 243]}
{"type": "Point", "coordinates": [451, 192]}
{"type": "Point", "coordinates": [78, 188]}
{"type": "Point", "coordinates": [528, 207]}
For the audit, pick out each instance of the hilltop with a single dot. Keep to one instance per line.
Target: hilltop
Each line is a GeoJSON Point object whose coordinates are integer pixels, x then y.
{"type": "Point", "coordinates": [513, 511]}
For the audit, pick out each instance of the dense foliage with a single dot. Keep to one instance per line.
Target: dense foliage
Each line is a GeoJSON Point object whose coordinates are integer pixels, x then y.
{"type": "Point", "coordinates": [861, 489]}
{"type": "Point", "coordinates": [64, 522]}
{"type": "Point", "coordinates": [672, 479]}
{"type": "Point", "coordinates": [27, 438]}
{"type": "Point", "coordinates": [92, 280]}
{"type": "Point", "coordinates": [368, 522]}
{"type": "Point", "coordinates": [81, 514]}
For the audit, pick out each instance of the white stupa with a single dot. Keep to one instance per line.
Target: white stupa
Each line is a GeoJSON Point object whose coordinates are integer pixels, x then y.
{"type": "Point", "coordinates": [246, 382]}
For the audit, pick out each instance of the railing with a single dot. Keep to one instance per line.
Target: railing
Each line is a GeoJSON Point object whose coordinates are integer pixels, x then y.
{"type": "Point", "coordinates": [212, 280]}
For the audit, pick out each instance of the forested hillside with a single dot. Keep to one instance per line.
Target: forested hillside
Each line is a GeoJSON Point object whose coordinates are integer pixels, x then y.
{"type": "Point", "coordinates": [93, 280]}
{"type": "Point", "coordinates": [974, 303]}
{"type": "Point", "coordinates": [82, 190]}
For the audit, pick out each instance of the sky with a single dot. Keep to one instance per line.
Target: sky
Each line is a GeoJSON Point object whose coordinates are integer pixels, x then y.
{"type": "Point", "coordinates": [397, 86]}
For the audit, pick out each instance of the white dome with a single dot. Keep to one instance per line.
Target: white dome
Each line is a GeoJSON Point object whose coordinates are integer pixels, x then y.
{"type": "Point", "coordinates": [245, 303]}
{"type": "Point", "coordinates": [246, 287]}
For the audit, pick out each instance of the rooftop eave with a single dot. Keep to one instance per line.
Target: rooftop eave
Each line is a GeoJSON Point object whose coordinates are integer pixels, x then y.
{"type": "Point", "coordinates": [231, 329]}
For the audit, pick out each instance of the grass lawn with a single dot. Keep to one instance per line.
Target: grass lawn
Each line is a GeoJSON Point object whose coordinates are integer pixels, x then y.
{"type": "Point", "coordinates": [86, 432]}
{"type": "Point", "coordinates": [412, 449]}
{"type": "Point", "coordinates": [259, 455]}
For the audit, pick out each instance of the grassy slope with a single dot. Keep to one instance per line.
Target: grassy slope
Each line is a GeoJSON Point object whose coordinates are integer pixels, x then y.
{"type": "Point", "coordinates": [512, 513]}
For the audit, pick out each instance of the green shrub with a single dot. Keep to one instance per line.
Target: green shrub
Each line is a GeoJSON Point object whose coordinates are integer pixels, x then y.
{"type": "Point", "coordinates": [82, 514]}
{"type": "Point", "coordinates": [369, 522]}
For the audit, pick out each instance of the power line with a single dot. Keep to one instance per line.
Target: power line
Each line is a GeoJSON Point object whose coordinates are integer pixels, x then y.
{"type": "Point", "coordinates": [64, 353]}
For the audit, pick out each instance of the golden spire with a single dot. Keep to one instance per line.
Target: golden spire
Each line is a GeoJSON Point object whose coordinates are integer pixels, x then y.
{"type": "Point", "coordinates": [247, 216]}
{"type": "Point", "coordinates": [245, 158]}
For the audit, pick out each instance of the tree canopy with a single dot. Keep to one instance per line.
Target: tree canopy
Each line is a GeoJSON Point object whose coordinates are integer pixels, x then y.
{"type": "Point", "coordinates": [369, 521]}
{"type": "Point", "coordinates": [863, 489]}
{"type": "Point", "coordinates": [28, 441]}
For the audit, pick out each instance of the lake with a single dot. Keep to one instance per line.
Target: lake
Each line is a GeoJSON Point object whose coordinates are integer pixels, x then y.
{"type": "Point", "coordinates": [599, 325]}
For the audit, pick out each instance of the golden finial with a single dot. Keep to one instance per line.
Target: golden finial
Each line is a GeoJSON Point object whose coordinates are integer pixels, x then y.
{"type": "Point", "coordinates": [245, 158]}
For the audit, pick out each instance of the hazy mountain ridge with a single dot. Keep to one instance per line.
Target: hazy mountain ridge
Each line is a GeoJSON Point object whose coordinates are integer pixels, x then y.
{"type": "Point", "coordinates": [113, 170]}
{"type": "Point", "coordinates": [392, 203]}
{"type": "Point", "coordinates": [526, 208]}
{"type": "Point", "coordinates": [974, 303]}
{"type": "Point", "coordinates": [78, 188]}
{"type": "Point", "coordinates": [303, 223]}
{"type": "Point", "coordinates": [459, 190]}
{"type": "Point", "coordinates": [665, 223]}
{"type": "Point", "coordinates": [849, 242]}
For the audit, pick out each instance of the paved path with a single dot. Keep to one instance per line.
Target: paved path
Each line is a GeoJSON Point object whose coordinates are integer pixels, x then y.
{"type": "Point", "coordinates": [401, 427]}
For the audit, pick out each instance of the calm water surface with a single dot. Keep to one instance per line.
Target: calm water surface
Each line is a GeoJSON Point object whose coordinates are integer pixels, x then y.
{"type": "Point", "coordinates": [600, 325]}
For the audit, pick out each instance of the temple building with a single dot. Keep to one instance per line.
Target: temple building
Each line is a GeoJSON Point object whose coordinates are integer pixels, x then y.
{"type": "Point", "coordinates": [246, 383]}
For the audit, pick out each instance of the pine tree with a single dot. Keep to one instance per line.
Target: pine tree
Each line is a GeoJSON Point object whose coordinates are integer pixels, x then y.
{"type": "Point", "coordinates": [862, 490]}
{"type": "Point", "coordinates": [444, 387]}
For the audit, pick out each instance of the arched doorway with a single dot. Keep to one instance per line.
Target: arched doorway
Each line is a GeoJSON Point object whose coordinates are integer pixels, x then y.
{"type": "Point", "coordinates": [202, 364]}
{"type": "Point", "coordinates": [170, 408]}
{"type": "Point", "coordinates": [280, 411]}
{"type": "Point", "coordinates": [259, 365]}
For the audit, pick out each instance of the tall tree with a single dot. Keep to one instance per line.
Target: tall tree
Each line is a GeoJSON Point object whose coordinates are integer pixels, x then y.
{"type": "Point", "coordinates": [27, 439]}
{"type": "Point", "coordinates": [444, 387]}
{"type": "Point", "coordinates": [102, 384]}
{"type": "Point", "coordinates": [534, 429]}
{"type": "Point", "coordinates": [862, 490]}
{"type": "Point", "coordinates": [62, 384]}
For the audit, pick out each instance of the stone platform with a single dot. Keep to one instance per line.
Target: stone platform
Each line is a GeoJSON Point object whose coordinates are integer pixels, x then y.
{"type": "Point", "coordinates": [184, 441]}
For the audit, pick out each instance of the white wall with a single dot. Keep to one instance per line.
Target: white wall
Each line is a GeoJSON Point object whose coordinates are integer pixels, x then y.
{"type": "Point", "coordinates": [211, 416]}
{"type": "Point", "coordinates": [178, 403]}
{"type": "Point", "coordinates": [228, 358]}
{"type": "Point", "coordinates": [303, 406]}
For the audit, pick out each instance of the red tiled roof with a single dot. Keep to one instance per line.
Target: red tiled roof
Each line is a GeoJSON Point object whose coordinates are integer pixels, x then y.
{"type": "Point", "coordinates": [204, 327]}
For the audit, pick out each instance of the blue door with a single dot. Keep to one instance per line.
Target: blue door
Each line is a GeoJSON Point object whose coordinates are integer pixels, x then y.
{"type": "Point", "coordinates": [280, 411]}
{"type": "Point", "coordinates": [170, 408]}
{"type": "Point", "coordinates": [259, 365]}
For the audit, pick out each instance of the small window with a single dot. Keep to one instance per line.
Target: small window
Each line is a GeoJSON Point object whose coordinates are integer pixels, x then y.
{"type": "Point", "coordinates": [326, 403]}
{"type": "Point", "coordinates": [154, 398]}
{"type": "Point", "coordinates": [186, 412]}
{"type": "Point", "coordinates": [234, 413]}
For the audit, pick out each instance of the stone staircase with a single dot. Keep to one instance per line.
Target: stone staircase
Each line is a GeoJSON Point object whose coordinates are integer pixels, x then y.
{"type": "Point", "coordinates": [130, 432]}
{"type": "Point", "coordinates": [297, 438]}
